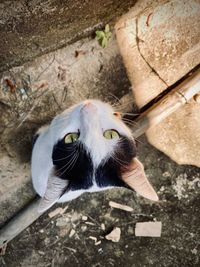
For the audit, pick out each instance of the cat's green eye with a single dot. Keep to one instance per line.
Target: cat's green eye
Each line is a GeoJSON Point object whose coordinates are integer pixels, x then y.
{"type": "Point", "coordinates": [71, 138]}
{"type": "Point", "coordinates": [111, 134]}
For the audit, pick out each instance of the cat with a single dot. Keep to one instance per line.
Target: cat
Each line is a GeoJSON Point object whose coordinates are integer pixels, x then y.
{"type": "Point", "coordinates": [87, 148]}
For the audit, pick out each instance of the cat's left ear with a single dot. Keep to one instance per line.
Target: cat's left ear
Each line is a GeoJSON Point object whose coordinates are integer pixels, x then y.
{"type": "Point", "coordinates": [135, 177]}
{"type": "Point", "coordinates": [56, 187]}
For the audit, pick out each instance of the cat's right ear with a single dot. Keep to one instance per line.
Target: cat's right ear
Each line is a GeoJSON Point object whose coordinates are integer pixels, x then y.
{"type": "Point", "coordinates": [134, 176]}
{"type": "Point", "coordinates": [56, 187]}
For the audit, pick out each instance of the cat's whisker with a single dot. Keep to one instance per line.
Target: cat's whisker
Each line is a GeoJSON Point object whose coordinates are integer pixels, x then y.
{"type": "Point", "coordinates": [130, 114]}
{"type": "Point", "coordinates": [67, 166]}
{"type": "Point", "coordinates": [69, 162]}
{"type": "Point", "coordinates": [121, 162]}
{"type": "Point", "coordinates": [129, 122]}
{"type": "Point", "coordinates": [115, 97]}
{"type": "Point", "coordinates": [67, 148]}
{"type": "Point", "coordinates": [137, 140]}
{"type": "Point", "coordinates": [72, 162]}
{"type": "Point", "coordinates": [60, 159]}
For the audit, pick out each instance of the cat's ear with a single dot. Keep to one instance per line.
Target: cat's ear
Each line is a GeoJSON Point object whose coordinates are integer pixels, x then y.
{"type": "Point", "coordinates": [55, 189]}
{"type": "Point", "coordinates": [135, 177]}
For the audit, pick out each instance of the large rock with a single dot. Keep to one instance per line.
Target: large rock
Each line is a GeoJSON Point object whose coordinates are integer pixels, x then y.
{"type": "Point", "coordinates": [160, 43]}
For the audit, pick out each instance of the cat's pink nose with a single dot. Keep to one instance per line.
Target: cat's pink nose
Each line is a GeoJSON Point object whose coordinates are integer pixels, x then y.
{"type": "Point", "coordinates": [89, 107]}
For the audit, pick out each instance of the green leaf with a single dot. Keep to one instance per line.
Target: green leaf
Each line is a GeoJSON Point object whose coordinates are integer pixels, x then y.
{"type": "Point", "coordinates": [100, 35]}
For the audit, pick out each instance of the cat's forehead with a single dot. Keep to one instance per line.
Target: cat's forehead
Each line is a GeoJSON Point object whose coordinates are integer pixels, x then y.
{"type": "Point", "coordinates": [99, 116]}
{"type": "Point", "coordinates": [72, 114]}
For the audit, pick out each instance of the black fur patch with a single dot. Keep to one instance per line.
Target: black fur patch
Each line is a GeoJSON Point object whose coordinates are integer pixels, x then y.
{"type": "Point", "coordinates": [109, 173]}
{"type": "Point", "coordinates": [78, 170]}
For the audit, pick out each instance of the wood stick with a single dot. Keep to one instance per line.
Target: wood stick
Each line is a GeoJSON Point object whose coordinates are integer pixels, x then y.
{"type": "Point", "coordinates": [166, 106]}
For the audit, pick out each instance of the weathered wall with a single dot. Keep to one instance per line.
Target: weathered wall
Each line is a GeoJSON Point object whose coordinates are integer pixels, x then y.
{"type": "Point", "coordinates": [160, 44]}
{"type": "Point", "coordinates": [32, 28]}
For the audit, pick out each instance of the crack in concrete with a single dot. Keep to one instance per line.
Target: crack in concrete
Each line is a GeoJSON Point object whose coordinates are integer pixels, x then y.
{"type": "Point", "coordinates": [138, 40]}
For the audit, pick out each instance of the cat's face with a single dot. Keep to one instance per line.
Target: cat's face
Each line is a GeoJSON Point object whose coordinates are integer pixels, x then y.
{"type": "Point", "coordinates": [91, 148]}
{"type": "Point", "coordinates": [95, 125]}
{"type": "Point", "coordinates": [93, 145]}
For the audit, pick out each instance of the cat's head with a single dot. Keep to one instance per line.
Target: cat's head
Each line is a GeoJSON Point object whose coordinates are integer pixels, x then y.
{"type": "Point", "coordinates": [93, 148]}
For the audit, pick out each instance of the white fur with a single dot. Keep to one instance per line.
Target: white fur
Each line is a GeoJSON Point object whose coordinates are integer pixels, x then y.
{"type": "Point", "coordinates": [91, 120]}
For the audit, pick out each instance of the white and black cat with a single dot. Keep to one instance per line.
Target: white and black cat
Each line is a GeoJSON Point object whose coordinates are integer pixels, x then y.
{"type": "Point", "coordinates": [86, 148]}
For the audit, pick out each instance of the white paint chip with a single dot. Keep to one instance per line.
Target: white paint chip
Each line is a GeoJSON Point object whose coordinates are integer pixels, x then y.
{"type": "Point", "coordinates": [151, 229]}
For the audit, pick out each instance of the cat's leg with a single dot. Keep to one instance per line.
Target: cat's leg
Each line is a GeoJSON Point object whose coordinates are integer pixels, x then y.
{"type": "Point", "coordinates": [70, 195]}
{"type": "Point", "coordinates": [41, 162]}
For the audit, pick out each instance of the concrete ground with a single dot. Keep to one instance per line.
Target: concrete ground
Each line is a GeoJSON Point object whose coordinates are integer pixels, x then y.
{"type": "Point", "coordinates": [65, 240]}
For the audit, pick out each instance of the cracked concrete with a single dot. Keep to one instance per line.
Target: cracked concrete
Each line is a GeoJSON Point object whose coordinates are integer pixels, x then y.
{"type": "Point", "coordinates": [138, 41]}
{"type": "Point", "coordinates": [160, 44]}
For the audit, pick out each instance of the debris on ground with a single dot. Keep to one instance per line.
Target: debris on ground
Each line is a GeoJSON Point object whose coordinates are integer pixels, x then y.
{"type": "Point", "coordinates": [62, 221]}
{"type": "Point", "coordinates": [3, 249]}
{"type": "Point", "coordinates": [72, 232]}
{"type": "Point", "coordinates": [103, 227]}
{"type": "Point", "coordinates": [151, 229]}
{"type": "Point", "coordinates": [57, 212]}
{"type": "Point", "coordinates": [79, 53]}
{"type": "Point", "coordinates": [96, 242]}
{"type": "Point", "coordinates": [120, 206]}
{"type": "Point", "coordinates": [114, 235]}
{"type": "Point", "coordinates": [84, 218]}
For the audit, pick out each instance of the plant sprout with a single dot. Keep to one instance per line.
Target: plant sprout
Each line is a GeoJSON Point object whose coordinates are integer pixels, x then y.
{"type": "Point", "coordinates": [103, 36]}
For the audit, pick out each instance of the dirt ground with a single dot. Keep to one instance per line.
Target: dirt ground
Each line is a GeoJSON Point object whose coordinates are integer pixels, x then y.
{"type": "Point", "coordinates": [48, 242]}
{"type": "Point", "coordinates": [68, 239]}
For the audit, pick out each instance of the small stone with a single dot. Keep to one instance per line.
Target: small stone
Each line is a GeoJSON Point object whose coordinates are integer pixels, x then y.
{"type": "Point", "coordinates": [166, 174]}
{"type": "Point", "coordinates": [72, 232]}
{"type": "Point", "coordinates": [114, 235]}
{"type": "Point", "coordinates": [103, 227]}
{"type": "Point", "coordinates": [100, 250]}
{"type": "Point", "coordinates": [84, 228]}
{"type": "Point", "coordinates": [152, 229]}
{"type": "Point", "coordinates": [63, 221]}
{"type": "Point", "coordinates": [194, 251]}
{"type": "Point", "coordinates": [93, 238]}
{"type": "Point", "coordinates": [84, 218]}
{"type": "Point", "coordinates": [97, 243]}
{"type": "Point", "coordinates": [41, 252]}
{"type": "Point", "coordinates": [56, 212]}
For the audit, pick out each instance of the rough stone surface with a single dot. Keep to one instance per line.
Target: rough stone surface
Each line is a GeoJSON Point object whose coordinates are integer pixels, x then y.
{"type": "Point", "coordinates": [160, 43]}
{"type": "Point", "coordinates": [45, 244]}
{"type": "Point", "coordinates": [32, 28]}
